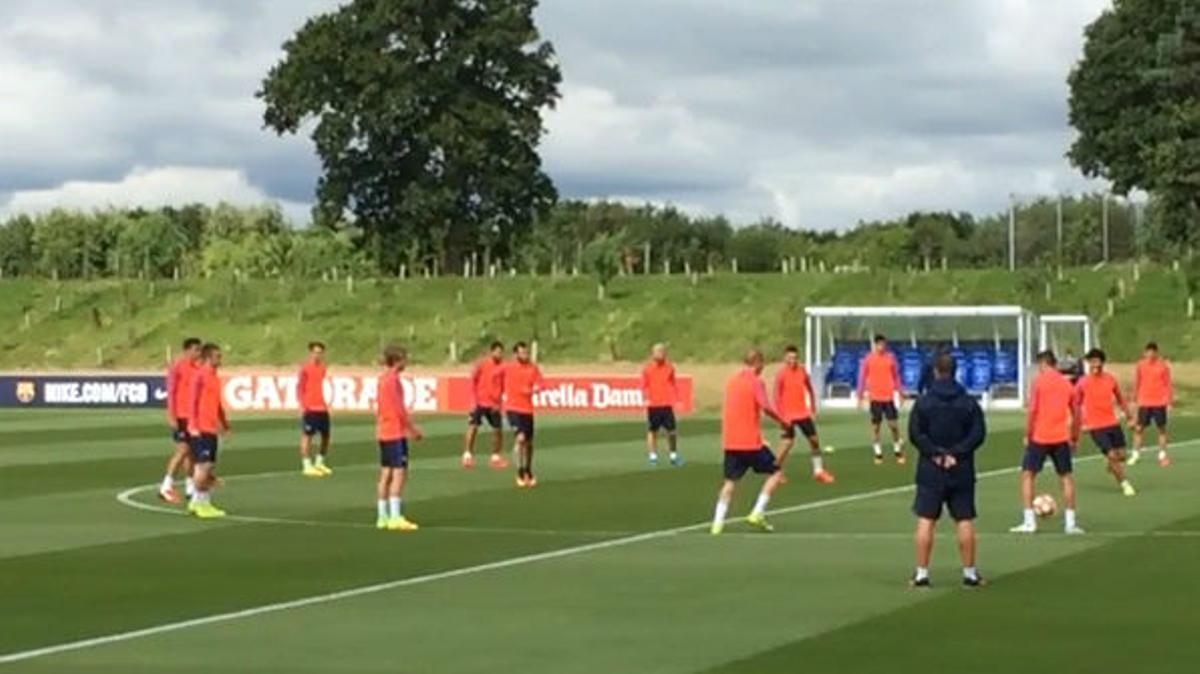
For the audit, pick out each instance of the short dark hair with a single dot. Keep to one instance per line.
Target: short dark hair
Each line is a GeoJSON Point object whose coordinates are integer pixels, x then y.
{"type": "Point", "coordinates": [1047, 357]}
{"type": "Point", "coordinates": [190, 342]}
{"type": "Point", "coordinates": [1151, 346]}
{"type": "Point", "coordinates": [393, 354]}
{"type": "Point", "coordinates": [791, 348]}
{"type": "Point", "coordinates": [209, 349]}
{"type": "Point", "coordinates": [944, 366]}
{"type": "Point", "coordinates": [879, 337]}
{"type": "Point", "coordinates": [496, 345]}
{"type": "Point", "coordinates": [520, 345]}
{"type": "Point", "coordinates": [316, 345]}
{"type": "Point", "coordinates": [1096, 353]}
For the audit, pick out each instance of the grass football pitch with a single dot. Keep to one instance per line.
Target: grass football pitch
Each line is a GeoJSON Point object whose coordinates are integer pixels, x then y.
{"type": "Point", "coordinates": [607, 566]}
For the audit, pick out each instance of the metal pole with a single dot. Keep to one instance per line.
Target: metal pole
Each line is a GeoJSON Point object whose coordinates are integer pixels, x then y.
{"type": "Point", "coordinates": [1012, 233]}
{"type": "Point", "coordinates": [1104, 226]}
{"type": "Point", "coordinates": [1059, 224]}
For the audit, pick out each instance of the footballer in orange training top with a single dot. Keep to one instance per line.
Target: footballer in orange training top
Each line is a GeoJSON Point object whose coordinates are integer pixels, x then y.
{"type": "Point", "coordinates": [522, 379]}
{"type": "Point", "coordinates": [661, 395]}
{"type": "Point", "coordinates": [879, 380]}
{"type": "Point", "coordinates": [794, 398]}
{"type": "Point", "coordinates": [179, 404]}
{"type": "Point", "coordinates": [1154, 394]}
{"type": "Point", "coordinates": [487, 389]}
{"type": "Point", "coordinates": [1052, 431]}
{"type": "Point", "coordinates": [741, 436]}
{"type": "Point", "coordinates": [393, 430]}
{"type": "Point", "coordinates": [1095, 395]}
{"type": "Point", "coordinates": [206, 421]}
{"type": "Point", "coordinates": [314, 418]}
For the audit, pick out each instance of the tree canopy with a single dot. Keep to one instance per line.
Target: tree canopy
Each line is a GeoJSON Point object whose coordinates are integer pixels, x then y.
{"type": "Point", "coordinates": [1134, 101]}
{"type": "Point", "coordinates": [428, 114]}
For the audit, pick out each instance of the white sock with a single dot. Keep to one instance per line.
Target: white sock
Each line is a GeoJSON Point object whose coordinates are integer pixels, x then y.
{"type": "Point", "coordinates": [381, 507]}
{"type": "Point", "coordinates": [307, 463]}
{"type": "Point", "coordinates": [1162, 453]}
{"type": "Point", "coordinates": [970, 572]}
{"type": "Point", "coordinates": [201, 496]}
{"type": "Point", "coordinates": [654, 456]}
{"type": "Point", "coordinates": [167, 483]}
{"type": "Point", "coordinates": [189, 486]}
{"type": "Point", "coordinates": [922, 572]}
{"type": "Point", "coordinates": [394, 507]}
{"type": "Point", "coordinates": [878, 449]}
{"type": "Point", "coordinates": [721, 511]}
{"type": "Point", "coordinates": [818, 464]}
{"type": "Point", "coordinates": [320, 460]}
{"type": "Point", "coordinates": [897, 447]}
{"type": "Point", "coordinates": [1069, 517]}
{"type": "Point", "coordinates": [674, 455]}
{"type": "Point", "coordinates": [760, 506]}
{"type": "Point", "coordinates": [1030, 518]}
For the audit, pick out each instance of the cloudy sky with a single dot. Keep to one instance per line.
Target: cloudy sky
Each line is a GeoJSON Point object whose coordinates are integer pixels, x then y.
{"type": "Point", "coordinates": [816, 112]}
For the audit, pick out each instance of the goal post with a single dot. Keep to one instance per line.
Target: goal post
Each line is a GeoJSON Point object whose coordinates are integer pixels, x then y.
{"type": "Point", "coordinates": [992, 345]}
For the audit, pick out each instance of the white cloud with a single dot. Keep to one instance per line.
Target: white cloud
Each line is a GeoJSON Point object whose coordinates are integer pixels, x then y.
{"type": "Point", "coordinates": [152, 188]}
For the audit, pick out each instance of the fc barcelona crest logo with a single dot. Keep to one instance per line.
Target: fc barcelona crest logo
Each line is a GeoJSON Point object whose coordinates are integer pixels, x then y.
{"type": "Point", "coordinates": [26, 391]}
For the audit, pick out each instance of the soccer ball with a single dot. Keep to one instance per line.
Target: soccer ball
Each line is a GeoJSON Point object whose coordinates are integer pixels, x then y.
{"type": "Point", "coordinates": [1044, 505]}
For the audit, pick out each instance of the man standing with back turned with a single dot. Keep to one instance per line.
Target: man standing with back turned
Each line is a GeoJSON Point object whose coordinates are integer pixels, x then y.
{"type": "Point", "coordinates": [946, 427]}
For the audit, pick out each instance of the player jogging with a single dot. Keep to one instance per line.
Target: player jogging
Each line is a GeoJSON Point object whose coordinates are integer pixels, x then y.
{"type": "Point", "coordinates": [661, 394]}
{"type": "Point", "coordinates": [393, 430]}
{"type": "Point", "coordinates": [1095, 394]}
{"type": "Point", "coordinates": [1051, 432]}
{"type": "Point", "coordinates": [179, 405]}
{"type": "Point", "coordinates": [522, 379]}
{"type": "Point", "coordinates": [879, 379]}
{"type": "Point", "coordinates": [314, 419]}
{"type": "Point", "coordinates": [487, 387]}
{"type": "Point", "coordinates": [741, 435]}
{"type": "Point", "coordinates": [1154, 394]}
{"type": "Point", "coordinates": [206, 421]}
{"type": "Point", "coordinates": [794, 398]}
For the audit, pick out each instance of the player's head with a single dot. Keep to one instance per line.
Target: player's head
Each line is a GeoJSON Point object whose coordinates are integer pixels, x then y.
{"type": "Point", "coordinates": [211, 353]}
{"type": "Point", "coordinates": [754, 360]}
{"type": "Point", "coordinates": [1095, 360]}
{"type": "Point", "coordinates": [791, 355]}
{"type": "Point", "coordinates": [395, 357]}
{"type": "Point", "coordinates": [1151, 350]}
{"type": "Point", "coordinates": [880, 343]}
{"type": "Point", "coordinates": [191, 348]}
{"type": "Point", "coordinates": [658, 352]}
{"type": "Point", "coordinates": [944, 366]}
{"type": "Point", "coordinates": [521, 351]}
{"type": "Point", "coordinates": [316, 351]}
{"type": "Point", "coordinates": [1047, 360]}
{"type": "Point", "coordinates": [496, 351]}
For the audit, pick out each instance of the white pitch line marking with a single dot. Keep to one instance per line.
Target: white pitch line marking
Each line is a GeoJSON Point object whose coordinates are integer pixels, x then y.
{"type": "Point", "coordinates": [119, 637]}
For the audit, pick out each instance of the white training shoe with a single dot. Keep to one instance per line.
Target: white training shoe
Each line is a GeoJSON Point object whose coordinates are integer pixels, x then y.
{"type": "Point", "coordinates": [1024, 528]}
{"type": "Point", "coordinates": [1073, 531]}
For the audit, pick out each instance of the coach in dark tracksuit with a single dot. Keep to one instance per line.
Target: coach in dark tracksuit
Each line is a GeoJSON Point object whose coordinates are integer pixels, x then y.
{"type": "Point", "coordinates": [946, 426]}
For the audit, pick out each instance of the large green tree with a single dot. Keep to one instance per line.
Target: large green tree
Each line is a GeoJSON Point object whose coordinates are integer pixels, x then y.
{"type": "Point", "coordinates": [1135, 100]}
{"type": "Point", "coordinates": [428, 114]}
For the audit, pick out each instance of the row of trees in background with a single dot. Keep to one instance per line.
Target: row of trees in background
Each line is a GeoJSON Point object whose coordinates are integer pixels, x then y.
{"type": "Point", "coordinates": [605, 239]}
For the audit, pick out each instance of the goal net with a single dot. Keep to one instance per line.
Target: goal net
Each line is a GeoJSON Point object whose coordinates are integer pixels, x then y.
{"type": "Point", "coordinates": [991, 345]}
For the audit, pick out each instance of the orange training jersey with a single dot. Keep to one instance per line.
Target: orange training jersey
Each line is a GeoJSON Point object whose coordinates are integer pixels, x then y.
{"type": "Point", "coordinates": [1152, 384]}
{"type": "Point", "coordinates": [1050, 405]}
{"type": "Point", "coordinates": [208, 416]}
{"type": "Point", "coordinates": [791, 393]}
{"type": "Point", "coordinates": [880, 377]}
{"type": "Point", "coordinates": [180, 380]}
{"type": "Point", "coordinates": [311, 387]}
{"type": "Point", "coordinates": [658, 384]}
{"type": "Point", "coordinates": [521, 381]}
{"type": "Point", "coordinates": [745, 399]}
{"type": "Point", "coordinates": [487, 382]}
{"type": "Point", "coordinates": [391, 416]}
{"type": "Point", "coordinates": [1095, 394]}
